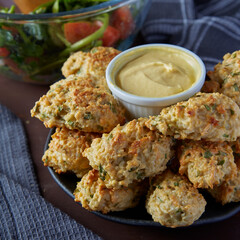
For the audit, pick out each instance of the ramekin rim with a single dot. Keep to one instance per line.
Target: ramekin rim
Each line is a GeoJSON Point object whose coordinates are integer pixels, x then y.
{"type": "Point", "coordinates": [148, 100]}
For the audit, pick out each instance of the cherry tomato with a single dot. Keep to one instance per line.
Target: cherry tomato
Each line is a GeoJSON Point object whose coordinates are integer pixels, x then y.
{"type": "Point", "coordinates": [110, 36]}
{"type": "Point", "coordinates": [76, 31]}
{"type": "Point", "coordinates": [122, 20]}
{"type": "Point", "coordinates": [4, 52]}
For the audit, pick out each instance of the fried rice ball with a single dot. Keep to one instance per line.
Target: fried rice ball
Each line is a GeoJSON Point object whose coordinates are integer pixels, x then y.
{"type": "Point", "coordinates": [228, 191]}
{"type": "Point", "coordinates": [75, 104]}
{"type": "Point", "coordinates": [93, 63]}
{"type": "Point", "coordinates": [207, 164]}
{"type": "Point", "coordinates": [208, 116]}
{"type": "Point", "coordinates": [230, 66]}
{"type": "Point", "coordinates": [64, 153]}
{"type": "Point", "coordinates": [128, 153]}
{"type": "Point", "coordinates": [173, 201]}
{"type": "Point", "coordinates": [94, 195]}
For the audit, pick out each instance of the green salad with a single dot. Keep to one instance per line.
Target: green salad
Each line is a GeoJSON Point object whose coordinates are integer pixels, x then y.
{"type": "Point", "coordinates": [35, 51]}
{"type": "Point", "coordinates": [56, 6]}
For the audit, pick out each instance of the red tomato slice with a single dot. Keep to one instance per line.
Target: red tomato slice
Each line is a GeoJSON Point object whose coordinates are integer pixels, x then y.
{"type": "Point", "coordinates": [122, 20]}
{"type": "Point", "coordinates": [110, 36]}
{"type": "Point", "coordinates": [13, 30]}
{"type": "Point", "coordinates": [4, 52]}
{"type": "Point", "coordinates": [31, 59]}
{"type": "Point", "coordinates": [76, 31]}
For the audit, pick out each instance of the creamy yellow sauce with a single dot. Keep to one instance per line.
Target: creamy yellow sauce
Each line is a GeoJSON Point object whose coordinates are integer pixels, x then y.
{"type": "Point", "coordinates": [157, 73]}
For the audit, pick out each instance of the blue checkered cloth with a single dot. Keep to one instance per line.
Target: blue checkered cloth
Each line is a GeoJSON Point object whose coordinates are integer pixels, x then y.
{"type": "Point", "coordinates": [209, 28]}
{"type": "Point", "coordinates": [24, 214]}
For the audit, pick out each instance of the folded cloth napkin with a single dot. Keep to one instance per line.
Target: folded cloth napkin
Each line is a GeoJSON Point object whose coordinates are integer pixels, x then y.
{"type": "Point", "coordinates": [210, 28]}
{"type": "Point", "coordinates": [24, 214]}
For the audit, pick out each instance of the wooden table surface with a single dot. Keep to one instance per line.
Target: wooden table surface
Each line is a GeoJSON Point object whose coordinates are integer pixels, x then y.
{"type": "Point", "coordinates": [20, 98]}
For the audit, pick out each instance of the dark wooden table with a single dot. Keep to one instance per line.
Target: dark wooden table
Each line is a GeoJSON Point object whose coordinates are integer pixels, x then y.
{"type": "Point", "coordinates": [20, 98]}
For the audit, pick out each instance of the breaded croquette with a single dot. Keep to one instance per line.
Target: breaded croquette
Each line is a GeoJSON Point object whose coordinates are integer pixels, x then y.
{"type": "Point", "coordinates": [206, 164]}
{"type": "Point", "coordinates": [236, 148]}
{"type": "Point", "coordinates": [93, 63]}
{"type": "Point", "coordinates": [227, 75]}
{"type": "Point", "coordinates": [230, 66]}
{"type": "Point", "coordinates": [74, 63]}
{"type": "Point", "coordinates": [94, 195]}
{"type": "Point", "coordinates": [231, 88]}
{"type": "Point", "coordinates": [74, 103]}
{"type": "Point", "coordinates": [64, 153]}
{"type": "Point", "coordinates": [173, 201]}
{"type": "Point", "coordinates": [128, 153]}
{"type": "Point", "coordinates": [208, 116]}
{"type": "Point", "coordinates": [229, 191]}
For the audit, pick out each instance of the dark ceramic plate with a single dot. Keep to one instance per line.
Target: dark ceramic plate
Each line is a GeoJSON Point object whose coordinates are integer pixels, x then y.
{"type": "Point", "coordinates": [138, 216]}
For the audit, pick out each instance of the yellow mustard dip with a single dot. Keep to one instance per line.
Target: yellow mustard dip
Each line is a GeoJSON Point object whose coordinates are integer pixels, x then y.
{"type": "Point", "coordinates": [157, 72]}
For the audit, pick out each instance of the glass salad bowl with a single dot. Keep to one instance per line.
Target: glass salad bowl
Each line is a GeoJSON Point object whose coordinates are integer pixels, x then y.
{"type": "Point", "coordinates": [33, 47]}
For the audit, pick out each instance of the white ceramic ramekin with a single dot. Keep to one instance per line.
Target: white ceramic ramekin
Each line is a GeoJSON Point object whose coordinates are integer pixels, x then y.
{"type": "Point", "coordinates": [138, 106]}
